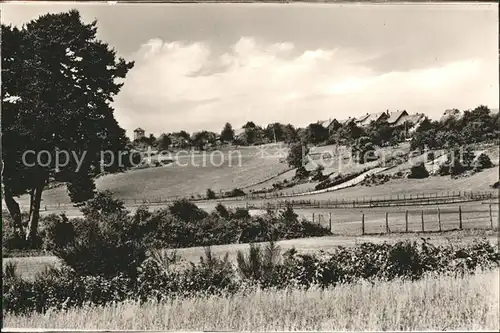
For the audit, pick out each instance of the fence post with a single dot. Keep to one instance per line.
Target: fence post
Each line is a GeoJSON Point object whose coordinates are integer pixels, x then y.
{"type": "Point", "coordinates": [387, 222]}
{"type": "Point", "coordinates": [330, 221]}
{"type": "Point", "coordinates": [422, 218]}
{"type": "Point", "coordinates": [439, 219]}
{"type": "Point", "coordinates": [460, 217]}
{"type": "Point", "coordinates": [491, 218]}
{"type": "Point", "coordinates": [363, 224]}
{"type": "Point", "coordinates": [353, 203]}
{"type": "Point", "coordinates": [406, 220]}
{"type": "Point", "coordinates": [313, 217]}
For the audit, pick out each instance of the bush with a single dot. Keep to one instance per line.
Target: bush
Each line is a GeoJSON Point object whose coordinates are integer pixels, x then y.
{"type": "Point", "coordinates": [102, 204]}
{"type": "Point", "coordinates": [339, 179]}
{"type": "Point", "coordinates": [431, 156]}
{"type": "Point", "coordinates": [210, 194]}
{"type": "Point", "coordinates": [317, 174]}
{"type": "Point", "coordinates": [58, 232]}
{"type": "Point", "coordinates": [106, 246]}
{"type": "Point", "coordinates": [236, 193]}
{"type": "Point", "coordinates": [418, 171]}
{"type": "Point", "coordinates": [187, 211]}
{"type": "Point", "coordinates": [482, 162]}
{"type": "Point", "coordinates": [301, 173]}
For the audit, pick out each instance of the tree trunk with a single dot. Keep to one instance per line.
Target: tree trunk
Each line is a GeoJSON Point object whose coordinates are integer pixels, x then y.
{"type": "Point", "coordinates": [35, 213]}
{"type": "Point", "coordinates": [31, 192]}
{"type": "Point", "coordinates": [14, 210]}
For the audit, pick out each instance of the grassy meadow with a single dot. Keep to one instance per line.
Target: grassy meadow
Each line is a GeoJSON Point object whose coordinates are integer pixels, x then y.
{"type": "Point", "coordinates": [194, 174]}
{"type": "Point", "coordinates": [433, 303]}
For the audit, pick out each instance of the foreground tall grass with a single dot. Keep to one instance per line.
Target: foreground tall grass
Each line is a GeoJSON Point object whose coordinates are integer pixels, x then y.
{"type": "Point", "coordinates": [436, 302]}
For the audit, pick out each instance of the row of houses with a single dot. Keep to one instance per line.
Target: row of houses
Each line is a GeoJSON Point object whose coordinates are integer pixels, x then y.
{"type": "Point", "coordinates": [395, 118]}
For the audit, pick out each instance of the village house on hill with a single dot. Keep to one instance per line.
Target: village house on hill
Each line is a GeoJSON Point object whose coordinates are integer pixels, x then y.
{"type": "Point", "coordinates": [139, 133]}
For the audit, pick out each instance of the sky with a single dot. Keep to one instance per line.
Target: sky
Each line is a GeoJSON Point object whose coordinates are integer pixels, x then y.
{"type": "Point", "coordinates": [198, 66]}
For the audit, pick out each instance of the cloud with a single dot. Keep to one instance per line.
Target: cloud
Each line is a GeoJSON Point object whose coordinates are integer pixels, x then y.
{"type": "Point", "coordinates": [191, 86]}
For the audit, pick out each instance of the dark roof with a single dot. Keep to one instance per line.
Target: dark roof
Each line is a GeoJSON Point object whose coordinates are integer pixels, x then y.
{"type": "Point", "coordinates": [138, 129]}
{"type": "Point", "coordinates": [394, 116]}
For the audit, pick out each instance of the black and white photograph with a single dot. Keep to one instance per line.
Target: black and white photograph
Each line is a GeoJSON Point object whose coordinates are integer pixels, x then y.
{"type": "Point", "coordinates": [260, 166]}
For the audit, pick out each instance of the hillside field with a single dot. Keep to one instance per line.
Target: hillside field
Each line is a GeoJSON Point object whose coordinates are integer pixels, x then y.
{"type": "Point", "coordinates": [192, 174]}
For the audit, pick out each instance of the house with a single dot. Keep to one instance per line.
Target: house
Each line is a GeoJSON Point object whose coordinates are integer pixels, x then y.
{"type": "Point", "coordinates": [139, 133]}
{"type": "Point", "coordinates": [415, 120]}
{"type": "Point", "coordinates": [397, 118]}
{"type": "Point", "coordinates": [365, 121]}
{"type": "Point", "coordinates": [451, 113]}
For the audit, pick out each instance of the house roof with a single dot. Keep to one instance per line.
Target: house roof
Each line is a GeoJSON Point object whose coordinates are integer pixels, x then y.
{"type": "Point", "coordinates": [324, 123]}
{"type": "Point", "coordinates": [138, 129]}
{"type": "Point", "coordinates": [394, 116]}
{"type": "Point", "coordinates": [371, 117]}
{"type": "Point", "coordinates": [415, 118]}
{"type": "Point", "coordinates": [452, 113]}
{"type": "Point", "coordinates": [362, 118]}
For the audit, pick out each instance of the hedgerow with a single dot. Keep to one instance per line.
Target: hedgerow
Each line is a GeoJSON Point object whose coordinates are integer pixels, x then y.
{"type": "Point", "coordinates": [61, 288]}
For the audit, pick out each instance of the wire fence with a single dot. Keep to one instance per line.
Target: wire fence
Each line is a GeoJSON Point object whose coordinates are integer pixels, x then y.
{"type": "Point", "coordinates": [434, 219]}
{"type": "Point", "coordinates": [410, 199]}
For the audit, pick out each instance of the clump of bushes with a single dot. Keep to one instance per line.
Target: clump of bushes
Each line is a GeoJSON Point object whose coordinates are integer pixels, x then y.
{"type": "Point", "coordinates": [111, 241]}
{"type": "Point", "coordinates": [236, 193]}
{"type": "Point", "coordinates": [418, 171]}
{"type": "Point", "coordinates": [259, 267]}
{"type": "Point", "coordinates": [375, 179]}
{"type": "Point", "coordinates": [317, 174]}
{"type": "Point", "coordinates": [301, 173]}
{"type": "Point", "coordinates": [482, 162]}
{"type": "Point", "coordinates": [210, 194]}
{"type": "Point", "coordinates": [338, 179]}
{"type": "Point", "coordinates": [457, 162]}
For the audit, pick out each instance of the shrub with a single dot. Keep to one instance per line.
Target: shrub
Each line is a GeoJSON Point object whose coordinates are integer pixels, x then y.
{"type": "Point", "coordinates": [210, 194]}
{"type": "Point", "coordinates": [187, 211]}
{"type": "Point", "coordinates": [482, 162]}
{"type": "Point", "coordinates": [102, 204]}
{"type": "Point", "coordinates": [107, 247]}
{"type": "Point", "coordinates": [317, 174]}
{"type": "Point", "coordinates": [418, 171]}
{"type": "Point", "coordinates": [301, 173]}
{"type": "Point", "coordinates": [339, 179]}
{"type": "Point", "coordinates": [236, 193]}
{"type": "Point", "coordinates": [222, 211]}
{"type": "Point", "coordinates": [58, 232]}
{"type": "Point", "coordinates": [259, 266]}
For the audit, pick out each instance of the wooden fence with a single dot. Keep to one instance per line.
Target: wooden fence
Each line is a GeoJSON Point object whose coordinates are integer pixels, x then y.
{"type": "Point", "coordinates": [409, 220]}
{"type": "Point", "coordinates": [410, 199]}
{"type": "Point", "coordinates": [384, 201]}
